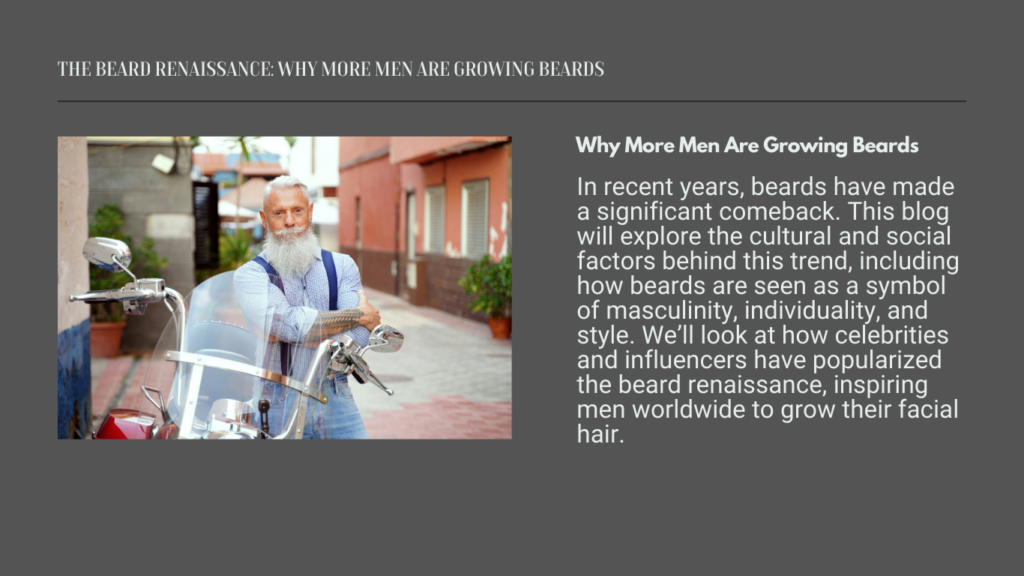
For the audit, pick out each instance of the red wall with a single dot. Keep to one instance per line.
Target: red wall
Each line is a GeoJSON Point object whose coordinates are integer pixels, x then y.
{"type": "Point", "coordinates": [377, 185]}
{"type": "Point", "coordinates": [352, 147]}
{"type": "Point", "coordinates": [416, 149]}
{"type": "Point", "coordinates": [412, 179]}
{"type": "Point", "coordinates": [491, 163]}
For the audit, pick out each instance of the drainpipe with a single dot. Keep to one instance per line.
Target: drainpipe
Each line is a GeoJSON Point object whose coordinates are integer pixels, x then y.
{"type": "Point", "coordinates": [398, 237]}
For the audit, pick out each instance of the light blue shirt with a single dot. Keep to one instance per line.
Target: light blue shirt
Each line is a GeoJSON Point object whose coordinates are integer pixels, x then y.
{"type": "Point", "coordinates": [289, 316]}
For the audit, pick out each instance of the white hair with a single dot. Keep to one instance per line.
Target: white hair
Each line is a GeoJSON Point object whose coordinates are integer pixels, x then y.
{"type": "Point", "coordinates": [283, 183]}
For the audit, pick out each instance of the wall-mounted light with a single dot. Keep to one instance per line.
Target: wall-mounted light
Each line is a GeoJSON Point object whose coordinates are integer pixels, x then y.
{"type": "Point", "coordinates": [163, 163]}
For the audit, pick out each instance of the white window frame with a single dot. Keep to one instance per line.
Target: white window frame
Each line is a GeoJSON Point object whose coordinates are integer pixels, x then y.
{"type": "Point", "coordinates": [429, 247]}
{"type": "Point", "coordinates": [465, 216]}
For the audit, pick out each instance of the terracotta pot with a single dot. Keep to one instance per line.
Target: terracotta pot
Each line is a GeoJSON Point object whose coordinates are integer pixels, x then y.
{"type": "Point", "coordinates": [501, 328]}
{"type": "Point", "coordinates": [105, 339]}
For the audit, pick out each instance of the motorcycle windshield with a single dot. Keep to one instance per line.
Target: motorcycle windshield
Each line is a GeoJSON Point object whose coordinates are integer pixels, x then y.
{"type": "Point", "coordinates": [238, 367]}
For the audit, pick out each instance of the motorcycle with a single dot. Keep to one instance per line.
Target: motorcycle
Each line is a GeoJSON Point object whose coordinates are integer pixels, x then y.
{"type": "Point", "coordinates": [223, 366]}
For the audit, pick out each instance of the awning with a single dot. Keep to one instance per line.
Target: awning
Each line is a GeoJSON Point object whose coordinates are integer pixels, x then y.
{"type": "Point", "coordinates": [325, 213]}
{"type": "Point", "coordinates": [251, 224]}
{"type": "Point", "coordinates": [225, 208]}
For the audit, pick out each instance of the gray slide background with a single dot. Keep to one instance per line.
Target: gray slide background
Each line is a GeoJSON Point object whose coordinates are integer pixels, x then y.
{"type": "Point", "coordinates": [701, 497]}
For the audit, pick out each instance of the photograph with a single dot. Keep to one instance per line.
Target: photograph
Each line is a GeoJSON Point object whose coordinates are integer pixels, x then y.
{"type": "Point", "coordinates": [284, 287]}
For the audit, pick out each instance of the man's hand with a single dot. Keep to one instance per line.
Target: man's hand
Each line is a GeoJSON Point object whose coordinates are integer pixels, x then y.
{"type": "Point", "coordinates": [371, 316]}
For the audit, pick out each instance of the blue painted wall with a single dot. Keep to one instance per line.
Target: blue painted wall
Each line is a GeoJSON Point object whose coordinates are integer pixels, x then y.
{"type": "Point", "coordinates": [74, 381]}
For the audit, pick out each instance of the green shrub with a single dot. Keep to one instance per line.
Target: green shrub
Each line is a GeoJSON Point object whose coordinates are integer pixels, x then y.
{"type": "Point", "coordinates": [235, 249]}
{"type": "Point", "coordinates": [146, 263]}
{"type": "Point", "coordinates": [491, 283]}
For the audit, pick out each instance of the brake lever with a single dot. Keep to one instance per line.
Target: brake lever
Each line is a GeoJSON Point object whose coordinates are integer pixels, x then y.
{"type": "Point", "coordinates": [352, 362]}
{"type": "Point", "coordinates": [373, 380]}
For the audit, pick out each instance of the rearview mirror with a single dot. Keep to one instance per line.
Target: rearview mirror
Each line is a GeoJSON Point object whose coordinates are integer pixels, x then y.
{"type": "Point", "coordinates": [111, 255]}
{"type": "Point", "coordinates": [384, 338]}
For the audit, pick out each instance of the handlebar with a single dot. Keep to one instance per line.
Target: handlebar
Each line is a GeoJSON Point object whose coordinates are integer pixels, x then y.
{"type": "Point", "coordinates": [122, 295]}
{"type": "Point", "coordinates": [137, 295]}
{"type": "Point", "coordinates": [146, 291]}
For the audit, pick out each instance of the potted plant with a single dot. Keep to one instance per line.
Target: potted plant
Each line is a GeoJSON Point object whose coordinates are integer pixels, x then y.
{"type": "Point", "coordinates": [107, 319]}
{"type": "Point", "coordinates": [491, 285]}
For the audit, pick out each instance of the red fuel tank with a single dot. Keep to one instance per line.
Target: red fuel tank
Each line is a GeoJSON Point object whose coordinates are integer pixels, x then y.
{"type": "Point", "coordinates": [124, 424]}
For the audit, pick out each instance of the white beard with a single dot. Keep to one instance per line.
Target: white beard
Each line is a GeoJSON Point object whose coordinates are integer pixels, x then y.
{"type": "Point", "coordinates": [292, 253]}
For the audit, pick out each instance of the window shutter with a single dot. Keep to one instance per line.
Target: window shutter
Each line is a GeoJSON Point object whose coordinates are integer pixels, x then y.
{"type": "Point", "coordinates": [204, 207]}
{"type": "Point", "coordinates": [435, 219]}
{"type": "Point", "coordinates": [474, 237]}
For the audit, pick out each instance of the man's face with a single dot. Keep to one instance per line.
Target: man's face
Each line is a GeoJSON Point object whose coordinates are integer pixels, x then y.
{"type": "Point", "coordinates": [286, 213]}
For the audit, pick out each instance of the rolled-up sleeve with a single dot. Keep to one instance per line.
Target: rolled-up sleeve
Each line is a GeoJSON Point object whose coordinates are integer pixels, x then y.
{"type": "Point", "coordinates": [267, 310]}
{"type": "Point", "coordinates": [349, 284]}
{"type": "Point", "coordinates": [349, 279]}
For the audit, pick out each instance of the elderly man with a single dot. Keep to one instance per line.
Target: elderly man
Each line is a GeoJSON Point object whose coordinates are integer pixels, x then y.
{"type": "Point", "coordinates": [287, 291]}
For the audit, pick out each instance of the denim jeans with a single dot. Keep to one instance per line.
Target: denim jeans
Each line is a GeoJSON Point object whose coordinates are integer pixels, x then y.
{"type": "Point", "coordinates": [338, 420]}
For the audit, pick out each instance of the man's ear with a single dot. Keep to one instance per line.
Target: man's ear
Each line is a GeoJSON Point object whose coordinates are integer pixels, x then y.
{"type": "Point", "coordinates": [263, 217]}
{"type": "Point", "coordinates": [311, 212]}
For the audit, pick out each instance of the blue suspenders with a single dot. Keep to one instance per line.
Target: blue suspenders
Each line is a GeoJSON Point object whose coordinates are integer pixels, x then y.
{"type": "Point", "coordinates": [332, 278]}
{"type": "Point", "coordinates": [332, 281]}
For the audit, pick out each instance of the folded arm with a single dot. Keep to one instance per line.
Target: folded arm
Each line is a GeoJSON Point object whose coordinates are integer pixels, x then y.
{"type": "Point", "coordinates": [267, 310]}
{"type": "Point", "coordinates": [328, 323]}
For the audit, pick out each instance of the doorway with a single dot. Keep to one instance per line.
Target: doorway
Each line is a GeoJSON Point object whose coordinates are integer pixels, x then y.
{"type": "Point", "coordinates": [411, 226]}
{"type": "Point", "coordinates": [359, 234]}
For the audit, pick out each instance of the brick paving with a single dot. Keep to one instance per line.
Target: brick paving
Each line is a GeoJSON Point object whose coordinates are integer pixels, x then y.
{"type": "Point", "coordinates": [451, 379]}
{"type": "Point", "coordinates": [107, 375]}
{"type": "Point", "coordinates": [443, 418]}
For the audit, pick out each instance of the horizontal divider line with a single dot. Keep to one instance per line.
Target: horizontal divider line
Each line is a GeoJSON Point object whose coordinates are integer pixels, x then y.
{"type": "Point", "coordinates": [532, 101]}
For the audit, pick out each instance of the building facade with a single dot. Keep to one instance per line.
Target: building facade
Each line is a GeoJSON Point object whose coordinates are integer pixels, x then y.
{"type": "Point", "coordinates": [314, 161]}
{"type": "Point", "coordinates": [415, 212]}
{"type": "Point", "coordinates": [369, 189]}
{"type": "Point", "coordinates": [226, 168]}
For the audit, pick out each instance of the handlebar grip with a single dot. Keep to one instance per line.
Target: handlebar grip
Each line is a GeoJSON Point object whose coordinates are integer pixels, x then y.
{"type": "Point", "coordinates": [149, 291]}
{"type": "Point", "coordinates": [104, 296]}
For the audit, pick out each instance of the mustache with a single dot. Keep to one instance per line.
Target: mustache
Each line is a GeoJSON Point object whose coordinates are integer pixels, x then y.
{"type": "Point", "coordinates": [289, 232]}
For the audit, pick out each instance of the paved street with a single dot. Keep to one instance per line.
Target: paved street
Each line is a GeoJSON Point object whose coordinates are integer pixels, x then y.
{"type": "Point", "coordinates": [452, 380]}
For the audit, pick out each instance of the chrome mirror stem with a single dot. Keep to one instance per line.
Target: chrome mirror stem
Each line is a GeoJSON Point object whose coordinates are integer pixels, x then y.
{"type": "Point", "coordinates": [124, 267]}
